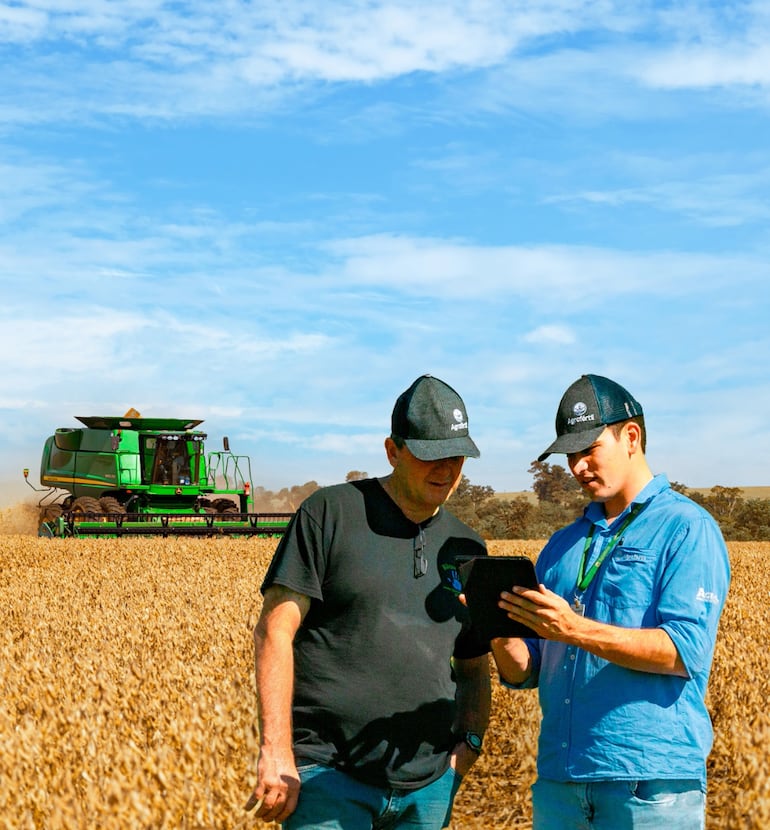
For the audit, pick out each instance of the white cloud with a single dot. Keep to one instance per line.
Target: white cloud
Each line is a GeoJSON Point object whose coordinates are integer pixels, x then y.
{"type": "Point", "coordinates": [578, 275]}
{"type": "Point", "coordinates": [346, 443]}
{"type": "Point", "coordinates": [707, 198]}
{"type": "Point", "coordinates": [560, 335]}
{"type": "Point", "coordinates": [702, 67]}
{"type": "Point", "coordinates": [151, 60]}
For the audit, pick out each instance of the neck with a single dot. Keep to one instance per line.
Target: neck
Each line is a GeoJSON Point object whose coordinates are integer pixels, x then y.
{"type": "Point", "coordinates": [616, 504]}
{"type": "Point", "coordinates": [415, 513]}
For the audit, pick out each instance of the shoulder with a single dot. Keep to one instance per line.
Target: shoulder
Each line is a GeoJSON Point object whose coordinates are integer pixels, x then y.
{"type": "Point", "coordinates": [678, 506]}
{"type": "Point", "coordinates": [337, 493]}
{"type": "Point", "coordinates": [336, 500]}
{"type": "Point", "coordinates": [683, 526]}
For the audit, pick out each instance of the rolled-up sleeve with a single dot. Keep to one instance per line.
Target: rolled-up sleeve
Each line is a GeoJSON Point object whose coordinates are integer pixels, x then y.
{"type": "Point", "coordinates": [693, 592]}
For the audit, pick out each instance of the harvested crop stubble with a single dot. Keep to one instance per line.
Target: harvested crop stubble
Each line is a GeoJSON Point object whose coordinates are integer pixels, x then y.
{"type": "Point", "coordinates": [127, 697]}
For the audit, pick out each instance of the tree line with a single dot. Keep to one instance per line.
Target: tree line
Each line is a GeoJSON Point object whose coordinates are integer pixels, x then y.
{"type": "Point", "coordinates": [558, 501]}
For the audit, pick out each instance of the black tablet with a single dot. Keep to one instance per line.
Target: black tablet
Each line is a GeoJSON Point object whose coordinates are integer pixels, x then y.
{"type": "Point", "coordinates": [483, 578]}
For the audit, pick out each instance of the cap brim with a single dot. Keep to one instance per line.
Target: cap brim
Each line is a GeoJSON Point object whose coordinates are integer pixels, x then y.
{"type": "Point", "coordinates": [573, 441]}
{"type": "Point", "coordinates": [425, 450]}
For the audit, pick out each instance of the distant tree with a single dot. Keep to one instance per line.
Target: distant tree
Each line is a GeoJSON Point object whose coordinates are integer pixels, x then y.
{"type": "Point", "coordinates": [467, 499]}
{"type": "Point", "coordinates": [721, 502]}
{"type": "Point", "coordinates": [300, 492]}
{"type": "Point", "coordinates": [554, 484]}
{"type": "Point", "coordinates": [477, 494]}
{"type": "Point", "coordinates": [680, 488]}
{"type": "Point", "coordinates": [513, 518]}
{"type": "Point", "coordinates": [356, 475]}
{"type": "Point", "coordinates": [752, 522]}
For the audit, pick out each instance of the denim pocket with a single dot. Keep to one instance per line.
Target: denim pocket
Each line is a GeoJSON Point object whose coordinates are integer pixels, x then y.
{"type": "Point", "coordinates": [307, 768]}
{"type": "Point", "coordinates": [663, 791]}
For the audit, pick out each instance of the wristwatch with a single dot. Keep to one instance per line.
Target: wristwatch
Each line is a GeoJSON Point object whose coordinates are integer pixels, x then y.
{"type": "Point", "coordinates": [473, 740]}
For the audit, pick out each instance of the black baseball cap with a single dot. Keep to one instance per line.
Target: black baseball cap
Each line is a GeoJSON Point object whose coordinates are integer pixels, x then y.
{"type": "Point", "coordinates": [586, 408]}
{"type": "Point", "coordinates": [431, 418]}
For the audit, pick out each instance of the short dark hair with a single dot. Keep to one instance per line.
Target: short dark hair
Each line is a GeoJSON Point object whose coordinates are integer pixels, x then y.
{"type": "Point", "coordinates": [617, 428]}
{"type": "Point", "coordinates": [398, 441]}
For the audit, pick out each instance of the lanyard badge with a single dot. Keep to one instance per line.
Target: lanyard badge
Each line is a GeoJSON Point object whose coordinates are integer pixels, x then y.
{"type": "Point", "coordinates": [585, 578]}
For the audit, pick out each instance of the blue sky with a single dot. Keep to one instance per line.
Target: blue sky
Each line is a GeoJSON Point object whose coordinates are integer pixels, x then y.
{"type": "Point", "coordinates": [275, 215]}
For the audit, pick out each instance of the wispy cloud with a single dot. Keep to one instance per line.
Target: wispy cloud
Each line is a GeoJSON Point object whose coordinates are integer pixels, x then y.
{"type": "Point", "coordinates": [577, 275]}
{"type": "Point", "coordinates": [725, 200]}
{"type": "Point", "coordinates": [560, 335]}
{"type": "Point", "coordinates": [707, 67]}
{"type": "Point", "coordinates": [244, 58]}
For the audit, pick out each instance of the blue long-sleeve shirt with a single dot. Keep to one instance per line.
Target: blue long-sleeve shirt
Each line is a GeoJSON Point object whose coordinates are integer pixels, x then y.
{"type": "Point", "coordinates": [669, 569]}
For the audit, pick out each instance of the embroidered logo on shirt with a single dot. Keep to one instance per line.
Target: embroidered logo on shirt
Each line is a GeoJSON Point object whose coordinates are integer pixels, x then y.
{"type": "Point", "coordinates": [631, 555]}
{"type": "Point", "coordinates": [706, 596]}
{"type": "Point", "coordinates": [451, 578]}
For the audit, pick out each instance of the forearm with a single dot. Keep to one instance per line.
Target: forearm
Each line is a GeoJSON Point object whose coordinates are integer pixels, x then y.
{"type": "Point", "coordinates": [275, 795]}
{"type": "Point", "coordinates": [641, 649]}
{"type": "Point", "coordinates": [274, 670]}
{"type": "Point", "coordinates": [282, 614]}
{"type": "Point", "coordinates": [514, 662]}
{"type": "Point", "coordinates": [473, 695]}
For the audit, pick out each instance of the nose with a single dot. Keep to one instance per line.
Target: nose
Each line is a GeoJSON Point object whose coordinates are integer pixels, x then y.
{"type": "Point", "coordinates": [453, 463]}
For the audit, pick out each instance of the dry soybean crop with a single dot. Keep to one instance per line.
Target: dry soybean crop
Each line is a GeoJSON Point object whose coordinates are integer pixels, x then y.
{"type": "Point", "coordinates": [127, 696]}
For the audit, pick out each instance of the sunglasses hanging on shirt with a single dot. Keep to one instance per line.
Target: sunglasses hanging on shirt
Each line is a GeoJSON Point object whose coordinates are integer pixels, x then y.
{"type": "Point", "coordinates": [420, 562]}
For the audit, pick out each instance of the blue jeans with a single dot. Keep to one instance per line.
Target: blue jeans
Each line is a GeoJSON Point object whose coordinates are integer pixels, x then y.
{"type": "Point", "coordinates": [618, 805]}
{"type": "Point", "coordinates": [331, 800]}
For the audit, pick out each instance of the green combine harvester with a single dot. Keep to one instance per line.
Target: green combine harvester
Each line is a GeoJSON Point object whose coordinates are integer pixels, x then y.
{"type": "Point", "coordinates": [134, 476]}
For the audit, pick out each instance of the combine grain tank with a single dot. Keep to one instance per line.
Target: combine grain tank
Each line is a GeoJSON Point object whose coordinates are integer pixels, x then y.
{"type": "Point", "coordinates": [129, 475]}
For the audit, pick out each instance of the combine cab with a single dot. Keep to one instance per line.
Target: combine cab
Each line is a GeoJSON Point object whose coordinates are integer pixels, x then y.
{"type": "Point", "coordinates": [146, 476]}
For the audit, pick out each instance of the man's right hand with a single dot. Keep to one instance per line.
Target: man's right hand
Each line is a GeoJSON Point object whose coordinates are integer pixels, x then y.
{"type": "Point", "coordinates": [277, 791]}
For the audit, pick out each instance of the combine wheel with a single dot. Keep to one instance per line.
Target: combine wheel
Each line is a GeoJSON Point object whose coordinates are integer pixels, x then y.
{"type": "Point", "coordinates": [50, 513]}
{"type": "Point", "coordinates": [84, 505]}
{"type": "Point", "coordinates": [109, 504]}
{"type": "Point", "coordinates": [48, 516]}
{"type": "Point", "coordinates": [225, 506]}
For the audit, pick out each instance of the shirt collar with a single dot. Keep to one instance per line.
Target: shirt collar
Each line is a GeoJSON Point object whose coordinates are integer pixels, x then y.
{"type": "Point", "coordinates": [594, 512]}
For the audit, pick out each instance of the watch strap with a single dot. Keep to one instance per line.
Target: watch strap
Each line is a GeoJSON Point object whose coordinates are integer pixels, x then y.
{"type": "Point", "coordinates": [473, 740]}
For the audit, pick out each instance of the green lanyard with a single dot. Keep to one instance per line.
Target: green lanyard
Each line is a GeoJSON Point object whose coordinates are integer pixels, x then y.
{"type": "Point", "coordinates": [584, 579]}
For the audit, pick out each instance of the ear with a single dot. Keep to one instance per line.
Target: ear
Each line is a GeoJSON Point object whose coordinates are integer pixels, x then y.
{"type": "Point", "coordinates": [634, 437]}
{"type": "Point", "coordinates": [391, 450]}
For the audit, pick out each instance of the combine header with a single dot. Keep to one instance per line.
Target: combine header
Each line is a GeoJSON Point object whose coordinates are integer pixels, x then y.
{"type": "Point", "coordinates": [134, 476]}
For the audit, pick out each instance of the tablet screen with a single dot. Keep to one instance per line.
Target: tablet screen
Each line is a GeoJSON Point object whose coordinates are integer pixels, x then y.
{"type": "Point", "coordinates": [483, 578]}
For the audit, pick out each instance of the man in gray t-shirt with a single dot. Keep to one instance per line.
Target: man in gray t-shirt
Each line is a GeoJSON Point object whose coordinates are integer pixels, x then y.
{"type": "Point", "coordinates": [373, 689]}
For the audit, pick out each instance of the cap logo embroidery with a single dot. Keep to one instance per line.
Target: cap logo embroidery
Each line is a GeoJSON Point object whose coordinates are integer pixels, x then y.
{"type": "Point", "coordinates": [579, 411]}
{"type": "Point", "coordinates": [461, 424]}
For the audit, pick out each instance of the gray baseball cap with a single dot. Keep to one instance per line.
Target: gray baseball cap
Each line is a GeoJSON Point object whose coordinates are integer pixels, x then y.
{"type": "Point", "coordinates": [431, 418]}
{"type": "Point", "coordinates": [590, 404]}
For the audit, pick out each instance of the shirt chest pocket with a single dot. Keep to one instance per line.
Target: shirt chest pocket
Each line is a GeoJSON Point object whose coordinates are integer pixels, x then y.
{"type": "Point", "coordinates": [628, 580]}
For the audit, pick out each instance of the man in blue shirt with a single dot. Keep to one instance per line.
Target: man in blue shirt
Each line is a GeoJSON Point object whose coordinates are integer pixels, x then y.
{"type": "Point", "coordinates": [627, 609]}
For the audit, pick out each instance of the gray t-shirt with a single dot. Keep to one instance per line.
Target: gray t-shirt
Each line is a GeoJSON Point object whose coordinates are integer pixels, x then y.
{"type": "Point", "coordinates": [374, 690]}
